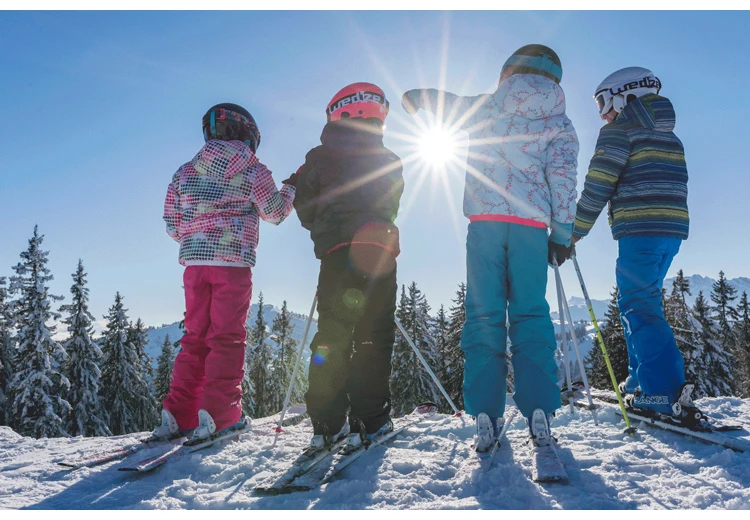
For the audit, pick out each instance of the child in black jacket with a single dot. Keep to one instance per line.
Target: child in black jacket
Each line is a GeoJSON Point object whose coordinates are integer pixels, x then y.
{"type": "Point", "coordinates": [348, 194]}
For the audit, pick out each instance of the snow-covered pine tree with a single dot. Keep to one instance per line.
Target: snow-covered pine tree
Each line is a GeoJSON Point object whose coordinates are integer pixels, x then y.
{"type": "Point", "coordinates": [38, 407]}
{"type": "Point", "coordinates": [147, 411]}
{"type": "Point", "coordinates": [248, 392]}
{"type": "Point", "coordinates": [260, 369]}
{"type": "Point", "coordinates": [617, 349]}
{"type": "Point", "coordinates": [454, 356]}
{"type": "Point", "coordinates": [165, 363]}
{"type": "Point", "coordinates": [7, 351]}
{"type": "Point", "coordinates": [722, 295]}
{"type": "Point", "coordinates": [717, 368]}
{"type": "Point", "coordinates": [410, 382]}
{"type": "Point", "coordinates": [87, 417]}
{"type": "Point", "coordinates": [686, 330]}
{"type": "Point", "coordinates": [121, 380]}
{"type": "Point", "coordinates": [439, 333]}
{"type": "Point", "coordinates": [282, 366]}
{"type": "Point", "coordinates": [742, 345]}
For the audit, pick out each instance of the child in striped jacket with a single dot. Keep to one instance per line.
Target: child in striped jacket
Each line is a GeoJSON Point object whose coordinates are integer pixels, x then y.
{"type": "Point", "coordinates": [639, 170]}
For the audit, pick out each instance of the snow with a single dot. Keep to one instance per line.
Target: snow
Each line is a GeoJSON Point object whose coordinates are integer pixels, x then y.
{"type": "Point", "coordinates": [431, 466]}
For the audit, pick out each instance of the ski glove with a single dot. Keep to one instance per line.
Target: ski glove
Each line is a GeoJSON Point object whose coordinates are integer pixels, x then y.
{"type": "Point", "coordinates": [558, 251]}
{"type": "Point", "coordinates": [293, 178]}
{"type": "Point", "coordinates": [410, 100]}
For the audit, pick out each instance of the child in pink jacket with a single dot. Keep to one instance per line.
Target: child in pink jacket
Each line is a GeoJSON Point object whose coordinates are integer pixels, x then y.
{"type": "Point", "coordinates": [212, 209]}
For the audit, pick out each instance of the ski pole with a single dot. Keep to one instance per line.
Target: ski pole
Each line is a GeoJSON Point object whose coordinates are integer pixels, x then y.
{"type": "Point", "coordinates": [563, 332]}
{"type": "Point", "coordinates": [296, 369]}
{"type": "Point", "coordinates": [424, 363]}
{"type": "Point", "coordinates": [630, 430]}
{"type": "Point", "coordinates": [575, 346]}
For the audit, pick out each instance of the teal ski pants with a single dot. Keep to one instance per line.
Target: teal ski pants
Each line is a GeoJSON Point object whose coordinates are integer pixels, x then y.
{"type": "Point", "coordinates": [506, 266]}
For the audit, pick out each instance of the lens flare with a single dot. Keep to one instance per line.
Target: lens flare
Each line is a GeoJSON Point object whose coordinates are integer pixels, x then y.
{"type": "Point", "coordinates": [438, 145]}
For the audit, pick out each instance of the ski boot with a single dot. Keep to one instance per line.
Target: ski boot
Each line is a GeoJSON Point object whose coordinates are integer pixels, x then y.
{"type": "Point", "coordinates": [168, 430]}
{"type": "Point", "coordinates": [684, 411]}
{"type": "Point", "coordinates": [488, 428]}
{"type": "Point", "coordinates": [539, 429]}
{"type": "Point", "coordinates": [629, 386]}
{"type": "Point", "coordinates": [206, 430]}
{"type": "Point", "coordinates": [361, 438]}
{"type": "Point", "coordinates": [324, 440]}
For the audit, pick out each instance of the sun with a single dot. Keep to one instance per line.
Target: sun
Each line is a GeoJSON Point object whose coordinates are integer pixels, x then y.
{"type": "Point", "coordinates": [438, 146]}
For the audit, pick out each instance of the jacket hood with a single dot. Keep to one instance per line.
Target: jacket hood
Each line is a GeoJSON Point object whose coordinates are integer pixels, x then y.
{"type": "Point", "coordinates": [650, 111]}
{"type": "Point", "coordinates": [223, 159]}
{"type": "Point", "coordinates": [351, 135]}
{"type": "Point", "coordinates": [530, 96]}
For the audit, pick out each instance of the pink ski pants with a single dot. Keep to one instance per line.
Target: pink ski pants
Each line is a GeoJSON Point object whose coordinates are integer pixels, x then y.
{"type": "Point", "coordinates": [209, 368]}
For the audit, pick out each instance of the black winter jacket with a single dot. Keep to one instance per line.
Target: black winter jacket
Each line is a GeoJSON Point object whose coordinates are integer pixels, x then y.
{"type": "Point", "coordinates": [349, 188]}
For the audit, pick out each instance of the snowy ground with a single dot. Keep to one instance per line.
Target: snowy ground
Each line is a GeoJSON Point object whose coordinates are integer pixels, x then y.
{"type": "Point", "coordinates": [431, 466]}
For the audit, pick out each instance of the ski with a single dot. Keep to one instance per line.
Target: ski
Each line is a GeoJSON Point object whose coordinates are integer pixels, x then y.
{"type": "Point", "coordinates": [546, 465]}
{"type": "Point", "coordinates": [721, 438]}
{"type": "Point", "coordinates": [486, 458]}
{"type": "Point", "coordinates": [714, 425]}
{"type": "Point", "coordinates": [150, 464]}
{"type": "Point", "coordinates": [312, 479]}
{"type": "Point", "coordinates": [116, 454]}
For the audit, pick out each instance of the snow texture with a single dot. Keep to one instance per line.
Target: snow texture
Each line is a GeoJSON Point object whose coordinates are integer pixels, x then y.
{"type": "Point", "coordinates": [431, 466]}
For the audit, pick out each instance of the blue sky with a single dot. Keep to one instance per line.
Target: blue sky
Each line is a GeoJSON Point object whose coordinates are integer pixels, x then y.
{"type": "Point", "coordinates": [100, 108]}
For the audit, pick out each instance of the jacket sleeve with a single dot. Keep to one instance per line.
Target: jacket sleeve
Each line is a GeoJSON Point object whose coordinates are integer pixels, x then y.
{"type": "Point", "coordinates": [561, 172]}
{"type": "Point", "coordinates": [172, 212]}
{"type": "Point", "coordinates": [306, 200]}
{"type": "Point", "coordinates": [456, 110]}
{"type": "Point", "coordinates": [273, 205]}
{"type": "Point", "coordinates": [610, 157]}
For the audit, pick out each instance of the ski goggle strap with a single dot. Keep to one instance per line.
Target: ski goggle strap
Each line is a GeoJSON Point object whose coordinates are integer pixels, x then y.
{"type": "Point", "coordinates": [542, 62]}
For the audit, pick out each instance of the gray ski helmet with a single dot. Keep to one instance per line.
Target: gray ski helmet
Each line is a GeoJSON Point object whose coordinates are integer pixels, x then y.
{"type": "Point", "coordinates": [534, 59]}
{"type": "Point", "coordinates": [230, 122]}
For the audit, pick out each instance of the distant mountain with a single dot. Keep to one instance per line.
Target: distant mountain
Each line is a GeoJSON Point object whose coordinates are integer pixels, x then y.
{"type": "Point", "coordinates": [156, 335]}
{"type": "Point", "coordinates": [579, 311]}
{"type": "Point", "coordinates": [704, 283]}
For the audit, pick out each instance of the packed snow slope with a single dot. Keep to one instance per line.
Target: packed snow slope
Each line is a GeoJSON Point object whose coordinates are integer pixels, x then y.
{"type": "Point", "coordinates": [429, 466]}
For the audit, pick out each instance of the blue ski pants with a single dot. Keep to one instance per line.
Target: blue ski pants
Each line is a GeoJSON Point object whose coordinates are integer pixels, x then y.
{"type": "Point", "coordinates": [506, 266]}
{"type": "Point", "coordinates": [654, 359]}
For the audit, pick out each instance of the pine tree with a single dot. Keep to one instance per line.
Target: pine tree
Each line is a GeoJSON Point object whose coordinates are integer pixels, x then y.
{"type": "Point", "coordinates": [121, 382]}
{"type": "Point", "coordinates": [283, 362]}
{"type": "Point", "coordinates": [742, 345]}
{"type": "Point", "coordinates": [260, 368]}
{"type": "Point", "coordinates": [87, 417]}
{"type": "Point", "coordinates": [248, 392]}
{"type": "Point", "coordinates": [617, 349]}
{"type": "Point", "coordinates": [454, 356]}
{"type": "Point", "coordinates": [410, 382]}
{"type": "Point", "coordinates": [439, 332]}
{"type": "Point", "coordinates": [147, 412]}
{"type": "Point", "coordinates": [686, 331]}
{"type": "Point", "coordinates": [717, 367]}
{"type": "Point", "coordinates": [7, 352]}
{"type": "Point", "coordinates": [723, 295]}
{"type": "Point", "coordinates": [164, 370]}
{"type": "Point", "coordinates": [38, 407]}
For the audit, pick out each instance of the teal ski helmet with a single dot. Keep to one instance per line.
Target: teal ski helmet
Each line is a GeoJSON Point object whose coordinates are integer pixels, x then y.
{"type": "Point", "coordinates": [533, 59]}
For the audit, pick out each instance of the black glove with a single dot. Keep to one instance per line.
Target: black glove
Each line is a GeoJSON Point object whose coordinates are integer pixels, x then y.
{"type": "Point", "coordinates": [559, 252]}
{"type": "Point", "coordinates": [292, 180]}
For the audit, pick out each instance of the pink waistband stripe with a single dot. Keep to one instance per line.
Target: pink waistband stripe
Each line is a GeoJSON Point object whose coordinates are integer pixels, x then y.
{"type": "Point", "coordinates": [510, 219]}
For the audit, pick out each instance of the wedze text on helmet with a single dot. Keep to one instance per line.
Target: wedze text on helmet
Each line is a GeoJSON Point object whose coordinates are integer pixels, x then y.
{"type": "Point", "coordinates": [357, 97]}
{"type": "Point", "coordinates": [644, 83]}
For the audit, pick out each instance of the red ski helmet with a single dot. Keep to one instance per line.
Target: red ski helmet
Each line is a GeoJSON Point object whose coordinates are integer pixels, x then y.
{"type": "Point", "coordinates": [364, 100]}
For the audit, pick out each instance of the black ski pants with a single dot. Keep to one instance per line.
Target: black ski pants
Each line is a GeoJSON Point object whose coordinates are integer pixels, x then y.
{"type": "Point", "coordinates": [351, 352]}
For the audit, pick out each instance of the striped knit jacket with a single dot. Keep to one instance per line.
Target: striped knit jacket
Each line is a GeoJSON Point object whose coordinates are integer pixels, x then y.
{"type": "Point", "coordinates": [639, 169]}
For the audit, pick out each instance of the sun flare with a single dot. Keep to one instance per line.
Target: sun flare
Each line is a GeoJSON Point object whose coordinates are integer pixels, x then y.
{"type": "Point", "coordinates": [438, 146]}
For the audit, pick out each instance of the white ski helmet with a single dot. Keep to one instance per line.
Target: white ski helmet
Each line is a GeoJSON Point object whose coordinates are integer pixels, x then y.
{"type": "Point", "coordinates": [623, 86]}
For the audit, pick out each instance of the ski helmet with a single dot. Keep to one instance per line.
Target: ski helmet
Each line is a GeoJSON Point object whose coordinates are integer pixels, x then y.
{"type": "Point", "coordinates": [533, 59]}
{"type": "Point", "coordinates": [621, 87]}
{"type": "Point", "coordinates": [364, 100]}
{"type": "Point", "coordinates": [230, 122]}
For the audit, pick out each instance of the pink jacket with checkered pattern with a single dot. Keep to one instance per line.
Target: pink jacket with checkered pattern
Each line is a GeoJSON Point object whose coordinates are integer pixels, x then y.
{"type": "Point", "coordinates": [214, 203]}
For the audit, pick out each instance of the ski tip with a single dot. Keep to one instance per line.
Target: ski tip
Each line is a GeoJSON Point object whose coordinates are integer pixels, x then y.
{"type": "Point", "coordinates": [68, 465]}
